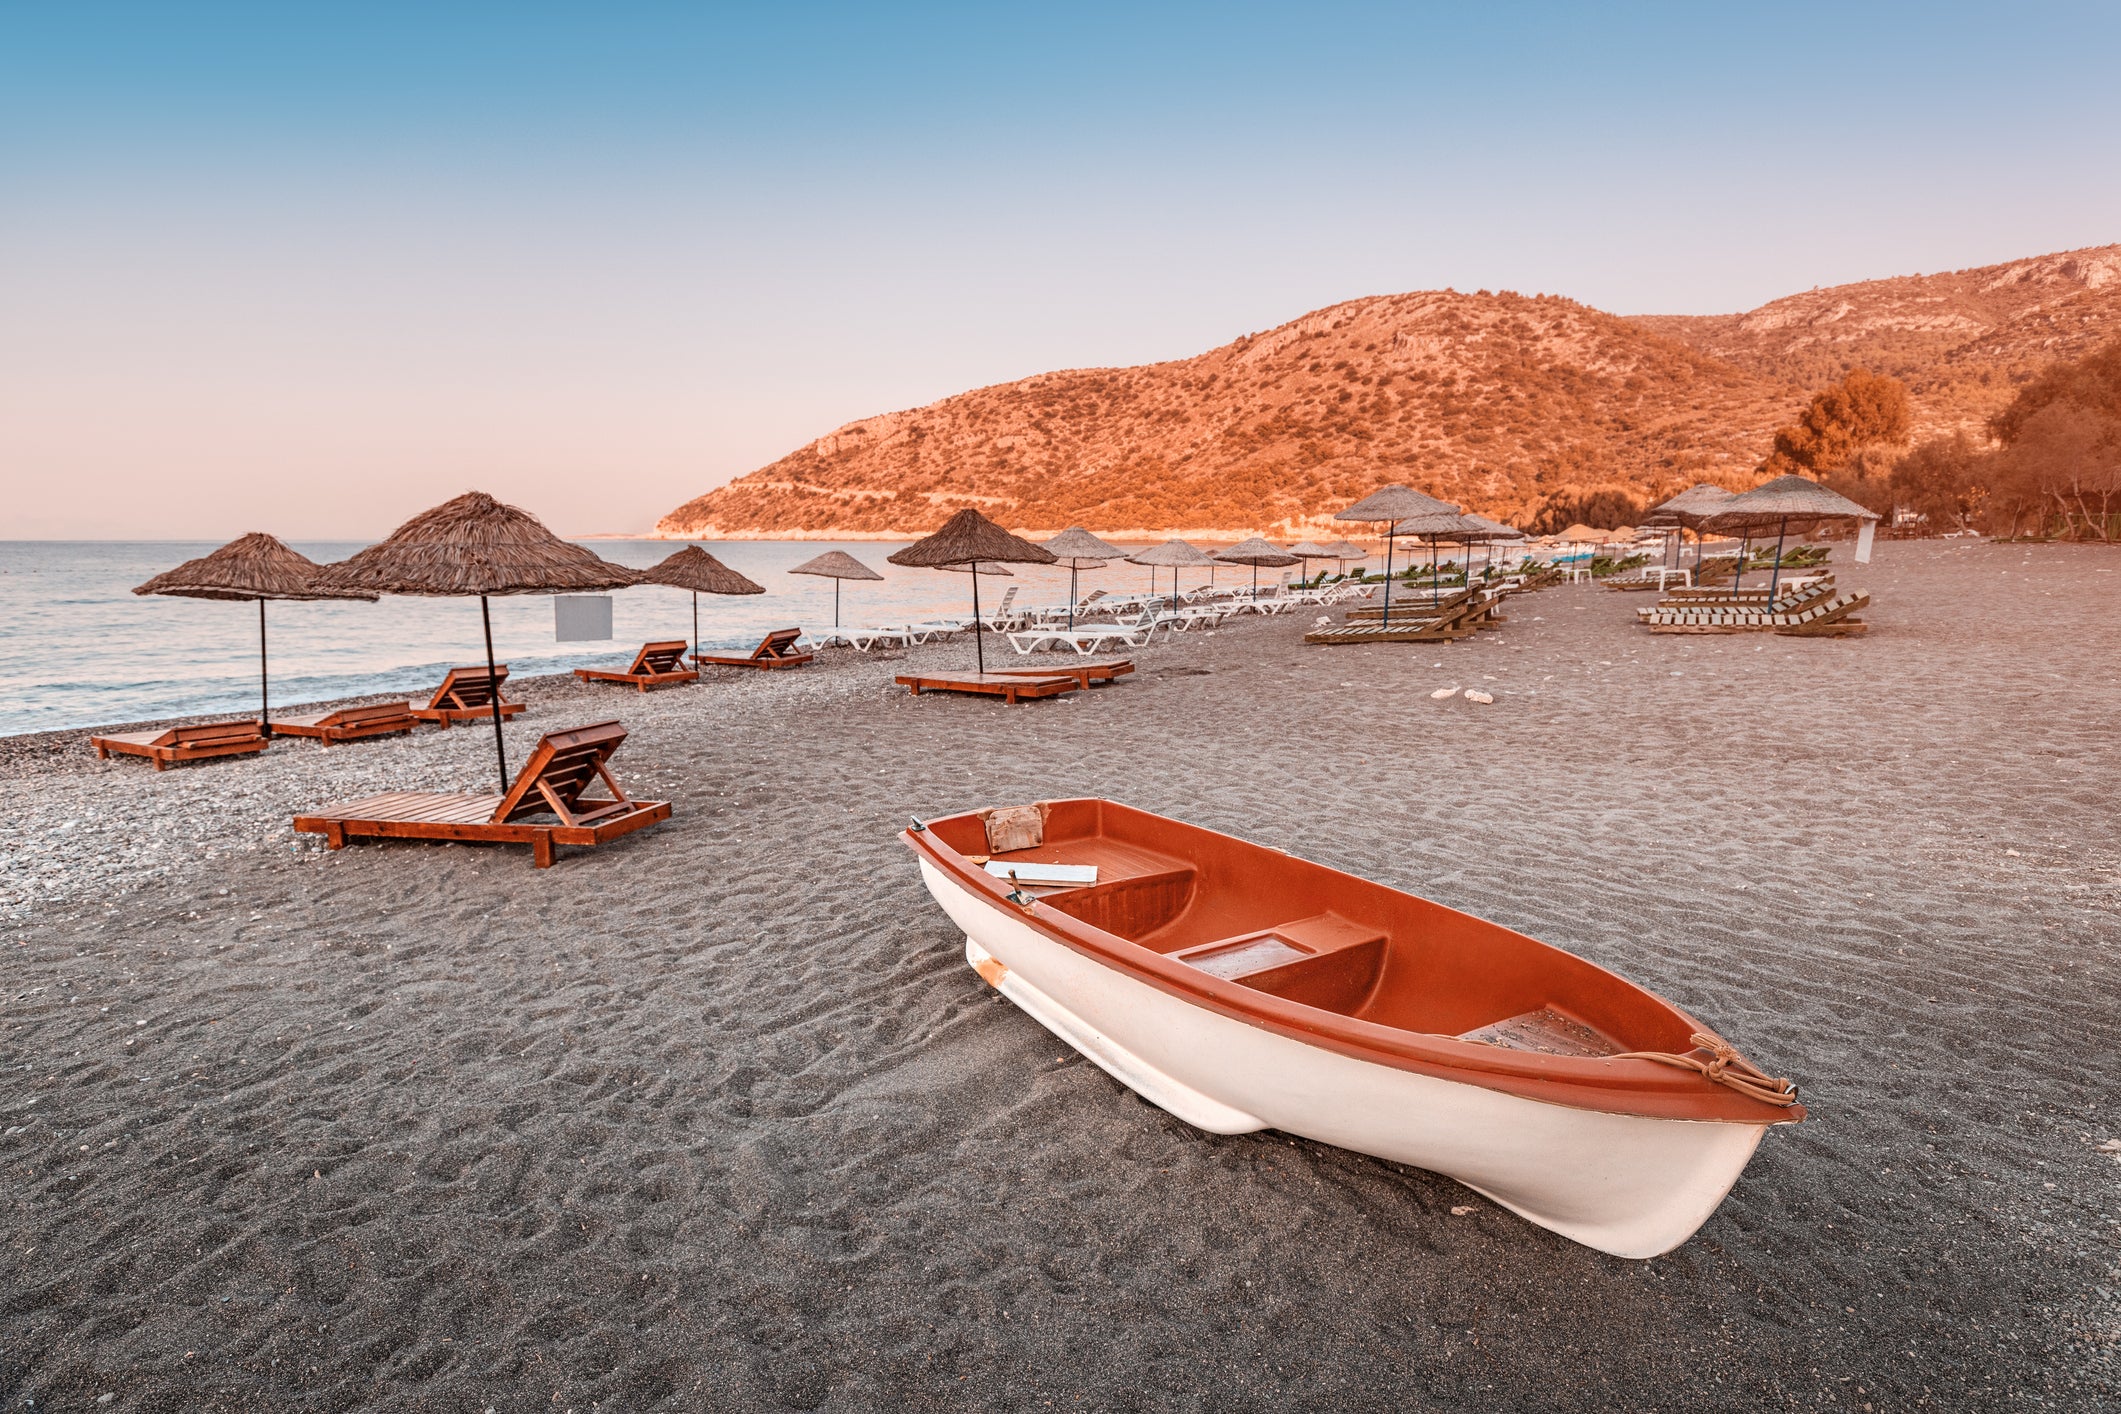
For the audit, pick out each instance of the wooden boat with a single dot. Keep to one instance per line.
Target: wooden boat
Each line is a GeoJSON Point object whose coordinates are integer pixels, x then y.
{"type": "Point", "coordinates": [1242, 989]}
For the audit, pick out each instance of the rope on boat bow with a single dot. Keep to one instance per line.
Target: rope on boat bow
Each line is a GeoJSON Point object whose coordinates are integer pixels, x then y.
{"type": "Point", "coordinates": [1726, 1067]}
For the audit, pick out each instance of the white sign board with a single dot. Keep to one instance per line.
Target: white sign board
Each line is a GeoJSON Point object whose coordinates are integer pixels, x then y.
{"type": "Point", "coordinates": [581, 618]}
{"type": "Point", "coordinates": [1866, 528]}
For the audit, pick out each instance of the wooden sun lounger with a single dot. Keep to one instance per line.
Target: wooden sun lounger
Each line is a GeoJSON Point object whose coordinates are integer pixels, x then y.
{"type": "Point", "coordinates": [1462, 617]}
{"type": "Point", "coordinates": [775, 650]}
{"type": "Point", "coordinates": [1752, 594]}
{"type": "Point", "coordinates": [1010, 687]}
{"type": "Point", "coordinates": [1086, 675]}
{"type": "Point", "coordinates": [467, 695]}
{"type": "Point", "coordinates": [656, 665]}
{"type": "Point", "coordinates": [1410, 606]}
{"type": "Point", "coordinates": [349, 723]}
{"type": "Point", "coordinates": [173, 744]}
{"type": "Point", "coordinates": [1398, 631]}
{"type": "Point", "coordinates": [552, 782]}
{"type": "Point", "coordinates": [1830, 617]}
{"type": "Point", "coordinates": [1794, 602]}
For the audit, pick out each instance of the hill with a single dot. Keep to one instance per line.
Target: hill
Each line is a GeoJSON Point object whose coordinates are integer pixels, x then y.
{"type": "Point", "coordinates": [1962, 341]}
{"type": "Point", "coordinates": [1503, 401]}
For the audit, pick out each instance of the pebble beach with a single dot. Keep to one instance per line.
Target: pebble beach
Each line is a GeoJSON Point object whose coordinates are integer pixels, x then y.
{"type": "Point", "coordinates": [716, 1117]}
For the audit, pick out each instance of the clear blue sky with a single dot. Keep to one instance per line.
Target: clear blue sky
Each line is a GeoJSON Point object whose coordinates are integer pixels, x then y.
{"type": "Point", "coordinates": [321, 266]}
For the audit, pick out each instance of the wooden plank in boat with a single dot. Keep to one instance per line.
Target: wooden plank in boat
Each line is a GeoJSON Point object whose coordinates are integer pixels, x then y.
{"type": "Point", "coordinates": [1545, 1031]}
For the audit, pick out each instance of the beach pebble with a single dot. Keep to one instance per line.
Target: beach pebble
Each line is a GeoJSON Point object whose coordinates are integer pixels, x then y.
{"type": "Point", "coordinates": [2111, 1146]}
{"type": "Point", "coordinates": [1474, 694]}
{"type": "Point", "coordinates": [1442, 692]}
{"type": "Point", "coordinates": [1461, 1210]}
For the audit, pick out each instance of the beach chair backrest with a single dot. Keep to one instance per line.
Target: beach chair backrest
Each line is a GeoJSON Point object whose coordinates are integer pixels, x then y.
{"type": "Point", "coordinates": [1007, 599]}
{"type": "Point", "coordinates": [561, 767]}
{"type": "Point", "coordinates": [209, 733]}
{"type": "Point", "coordinates": [778, 644]}
{"type": "Point", "coordinates": [358, 716]}
{"type": "Point", "coordinates": [659, 657]}
{"type": "Point", "coordinates": [469, 687]}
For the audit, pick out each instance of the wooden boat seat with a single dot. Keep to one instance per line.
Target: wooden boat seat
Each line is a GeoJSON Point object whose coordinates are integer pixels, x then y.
{"type": "Point", "coordinates": [1546, 1031]}
{"type": "Point", "coordinates": [1323, 961]}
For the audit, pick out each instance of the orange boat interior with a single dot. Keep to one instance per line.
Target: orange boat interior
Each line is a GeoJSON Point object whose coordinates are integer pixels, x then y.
{"type": "Point", "coordinates": [1252, 915]}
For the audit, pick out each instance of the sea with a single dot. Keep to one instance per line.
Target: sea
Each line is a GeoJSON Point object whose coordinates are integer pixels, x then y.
{"type": "Point", "coordinates": [78, 648]}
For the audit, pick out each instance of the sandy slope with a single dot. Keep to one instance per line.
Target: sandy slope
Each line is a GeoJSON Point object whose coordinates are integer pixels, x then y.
{"type": "Point", "coordinates": [718, 1118]}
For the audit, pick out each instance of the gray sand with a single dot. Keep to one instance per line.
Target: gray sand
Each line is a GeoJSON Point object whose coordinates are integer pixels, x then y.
{"type": "Point", "coordinates": [717, 1118]}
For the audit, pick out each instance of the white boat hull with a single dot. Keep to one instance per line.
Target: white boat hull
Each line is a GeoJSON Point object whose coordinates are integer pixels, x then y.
{"type": "Point", "coordinates": [1630, 1185]}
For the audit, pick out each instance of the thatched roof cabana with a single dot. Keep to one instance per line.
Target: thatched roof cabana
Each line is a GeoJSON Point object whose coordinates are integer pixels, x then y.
{"type": "Point", "coordinates": [1783, 502]}
{"type": "Point", "coordinates": [476, 545]}
{"type": "Point", "coordinates": [694, 569]}
{"type": "Point", "coordinates": [967, 540]}
{"type": "Point", "coordinates": [836, 564]}
{"type": "Point", "coordinates": [1076, 547]}
{"type": "Point", "coordinates": [253, 566]}
{"type": "Point", "coordinates": [1393, 504]}
{"type": "Point", "coordinates": [1255, 552]}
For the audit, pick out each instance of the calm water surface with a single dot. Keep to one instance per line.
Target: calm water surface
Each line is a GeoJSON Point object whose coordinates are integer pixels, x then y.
{"type": "Point", "coordinates": [78, 648]}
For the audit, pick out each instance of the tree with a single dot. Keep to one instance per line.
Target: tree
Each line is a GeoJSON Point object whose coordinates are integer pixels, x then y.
{"type": "Point", "coordinates": [1863, 410]}
{"type": "Point", "coordinates": [1944, 480]}
{"type": "Point", "coordinates": [1601, 510]}
{"type": "Point", "coordinates": [2061, 448]}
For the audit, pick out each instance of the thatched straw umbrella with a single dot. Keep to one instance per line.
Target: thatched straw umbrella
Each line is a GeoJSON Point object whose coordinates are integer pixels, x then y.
{"type": "Point", "coordinates": [1306, 551]}
{"type": "Point", "coordinates": [1496, 531]}
{"type": "Point", "coordinates": [1256, 552]}
{"type": "Point", "coordinates": [1345, 550]}
{"type": "Point", "coordinates": [1173, 553]}
{"type": "Point", "coordinates": [1392, 504]}
{"type": "Point", "coordinates": [694, 569]}
{"type": "Point", "coordinates": [256, 566]}
{"type": "Point", "coordinates": [836, 565]}
{"type": "Point", "coordinates": [1778, 503]}
{"type": "Point", "coordinates": [965, 540]}
{"type": "Point", "coordinates": [1688, 510]}
{"type": "Point", "coordinates": [1078, 549]}
{"type": "Point", "coordinates": [476, 545]}
{"type": "Point", "coordinates": [1453, 525]}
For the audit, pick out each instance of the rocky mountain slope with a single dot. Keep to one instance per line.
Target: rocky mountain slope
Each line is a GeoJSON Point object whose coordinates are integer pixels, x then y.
{"type": "Point", "coordinates": [1498, 400]}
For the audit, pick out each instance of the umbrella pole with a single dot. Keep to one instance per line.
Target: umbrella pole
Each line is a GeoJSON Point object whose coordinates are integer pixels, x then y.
{"type": "Point", "coordinates": [264, 696]}
{"type": "Point", "coordinates": [1071, 596]}
{"type": "Point", "coordinates": [695, 628]}
{"type": "Point", "coordinates": [493, 701]}
{"type": "Point", "coordinates": [979, 644]}
{"type": "Point", "coordinates": [1388, 577]}
{"type": "Point", "coordinates": [835, 603]}
{"type": "Point", "coordinates": [1774, 576]}
{"type": "Point", "coordinates": [1435, 582]}
{"type": "Point", "coordinates": [1745, 552]}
